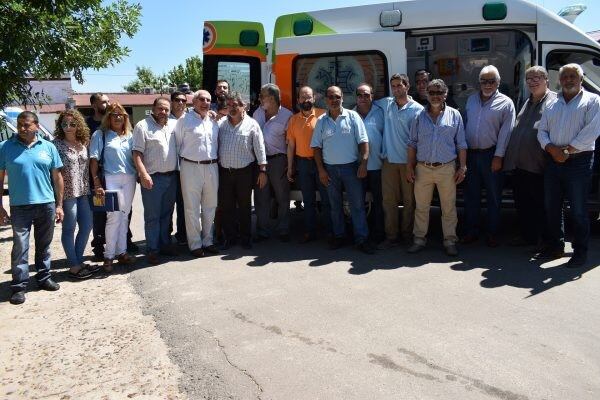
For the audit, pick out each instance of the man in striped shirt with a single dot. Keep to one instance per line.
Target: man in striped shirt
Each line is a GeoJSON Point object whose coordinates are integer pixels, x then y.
{"type": "Point", "coordinates": [567, 132]}
{"type": "Point", "coordinates": [241, 146]}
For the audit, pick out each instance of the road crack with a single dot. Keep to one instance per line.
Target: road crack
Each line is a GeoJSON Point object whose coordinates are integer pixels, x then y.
{"type": "Point", "coordinates": [234, 365]}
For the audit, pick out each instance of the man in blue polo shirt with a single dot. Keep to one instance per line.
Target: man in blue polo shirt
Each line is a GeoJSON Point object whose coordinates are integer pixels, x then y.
{"type": "Point", "coordinates": [31, 162]}
{"type": "Point", "coordinates": [341, 148]}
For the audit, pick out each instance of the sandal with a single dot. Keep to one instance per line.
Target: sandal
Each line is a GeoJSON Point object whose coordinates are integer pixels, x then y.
{"type": "Point", "coordinates": [93, 268]}
{"type": "Point", "coordinates": [83, 273]}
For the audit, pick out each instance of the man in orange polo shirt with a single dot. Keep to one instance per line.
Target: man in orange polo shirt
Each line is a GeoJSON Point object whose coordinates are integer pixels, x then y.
{"type": "Point", "coordinates": [299, 133]}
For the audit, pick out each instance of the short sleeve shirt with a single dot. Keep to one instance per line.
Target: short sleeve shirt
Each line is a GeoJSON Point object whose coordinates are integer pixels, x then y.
{"type": "Point", "coordinates": [340, 138]}
{"type": "Point", "coordinates": [157, 144]}
{"type": "Point", "coordinates": [300, 130]}
{"type": "Point", "coordinates": [117, 152]}
{"type": "Point", "coordinates": [29, 169]}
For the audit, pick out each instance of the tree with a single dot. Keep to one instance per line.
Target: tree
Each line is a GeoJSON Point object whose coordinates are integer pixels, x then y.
{"type": "Point", "coordinates": [189, 72]}
{"type": "Point", "coordinates": [44, 39]}
{"type": "Point", "coordinates": [146, 78]}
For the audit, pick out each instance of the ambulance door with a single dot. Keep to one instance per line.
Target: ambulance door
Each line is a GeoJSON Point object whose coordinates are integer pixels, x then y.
{"type": "Point", "coordinates": [235, 51]}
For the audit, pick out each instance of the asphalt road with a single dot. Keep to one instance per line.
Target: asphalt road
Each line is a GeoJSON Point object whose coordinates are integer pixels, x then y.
{"type": "Point", "coordinates": [290, 321]}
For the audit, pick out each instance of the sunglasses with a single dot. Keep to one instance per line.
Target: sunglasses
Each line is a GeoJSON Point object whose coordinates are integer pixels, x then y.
{"type": "Point", "coordinates": [487, 81]}
{"type": "Point", "coordinates": [117, 115]}
{"type": "Point", "coordinates": [436, 93]}
{"type": "Point", "coordinates": [66, 125]}
{"type": "Point", "coordinates": [364, 95]}
{"type": "Point", "coordinates": [180, 101]}
{"type": "Point", "coordinates": [334, 97]}
{"type": "Point", "coordinates": [534, 79]}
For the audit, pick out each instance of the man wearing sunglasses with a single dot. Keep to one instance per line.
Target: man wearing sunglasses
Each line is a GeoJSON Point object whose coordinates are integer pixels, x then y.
{"type": "Point", "coordinates": [196, 135]}
{"type": "Point", "coordinates": [341, 147]}
{"type": "Point", "coordinates": [489, 120]}
{"type": "Point", "coordinates": [373, 119]}
{"type": "Point", "coordinates": [178, 110]}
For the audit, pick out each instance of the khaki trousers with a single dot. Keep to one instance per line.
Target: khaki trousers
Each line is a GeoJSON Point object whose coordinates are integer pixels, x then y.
{"type": "Point", "coordinates": [427, 178]}
{"type": "Point", "coordinates": [395, 187]}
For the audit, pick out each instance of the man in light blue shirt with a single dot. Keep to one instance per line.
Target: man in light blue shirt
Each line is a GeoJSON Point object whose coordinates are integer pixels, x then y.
{"type": "Point", "coordinates": [273, 119]}
{"type": "Point", "coordinates": [373, 119]}
{"type": "Point", "coordinates": [489, 120]}
{"type": "Point", "coordinates": [341, 148]}
{"type": "Point", "coordinates": [33, 164]}
{"type": "Point", "coordinates": [399, 112]}
{"type": "Point", "coordinates": [567, 132]}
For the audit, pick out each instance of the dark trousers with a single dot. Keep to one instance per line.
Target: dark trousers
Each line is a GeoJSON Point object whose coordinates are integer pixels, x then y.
{"type": "Point", "coordinates": [568, 181]}
{"type": "Point", "coordinates": [181, 235]}
{"type": "Point", "coordinates": [372, 183]}
{"type": "Point", "coordinates": [528, 190]}
{"type": "Point", "coordinates": [235, 190]}
{"type": "Point", "coordinates": [308, 179]}
{"type": "Point", "coordinates": [479, 174]}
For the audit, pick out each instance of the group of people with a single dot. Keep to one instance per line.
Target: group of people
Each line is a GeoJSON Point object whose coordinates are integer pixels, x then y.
{"type": "Point", "coordinates": [207, 162]}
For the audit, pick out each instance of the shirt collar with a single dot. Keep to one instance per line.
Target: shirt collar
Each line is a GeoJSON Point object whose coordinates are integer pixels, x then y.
{"type": "Point", "coordinates": [562, 98]}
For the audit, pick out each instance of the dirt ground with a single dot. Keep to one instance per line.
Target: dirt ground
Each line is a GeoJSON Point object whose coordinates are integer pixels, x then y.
{"type": "Point", "coordinates": [89, 340]}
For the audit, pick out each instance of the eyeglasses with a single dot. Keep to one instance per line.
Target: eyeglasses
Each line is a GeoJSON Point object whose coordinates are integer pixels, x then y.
{"type": "Point", "coordinates": [66, 125]}
{"type": "Point", "coordinates": [180, 101]}
{"type": "Point", "coordinates": [334, 97]}
{"type": "Point", "coordinates": [535, 79]}
{"type": "Point", "coordinates": [487, 81]}
{"type": "Point", "coordinates": [117, 115]}
{"type": "Point", "coordinates": [203, 99]}
{"type": "Point", "coordinates": [436, 93]}
{"type": "Point", "coordinates": [364, 95]}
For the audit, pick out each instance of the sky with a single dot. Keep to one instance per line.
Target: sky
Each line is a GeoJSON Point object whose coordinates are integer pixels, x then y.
{"type": "Point", "coordinates": [171, 31]}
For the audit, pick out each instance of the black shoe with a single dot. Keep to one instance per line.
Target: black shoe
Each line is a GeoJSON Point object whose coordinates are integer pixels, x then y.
{"type": "Point", "coordinates": [577, 261]}
{"type": "Point", "coordinates": [49, 285]}
{"type": "Point", "coordinates": [336, 243]}
{"type": "Point", "coordinates": [18, 297]}
{"type": "Point", "coordinates": [284, 237]}
{"type": "Point", "coordinates": [227, 244]}
{"type": "Point", "coordinates": [260, 238]}
{"type": "Point", "coordinates": [246, 244]}
{"type": "Point", "coordinates": [169, 251]}
{"type": "Point", "coordinates": [549, 254]}
{"type": "Point", "coordinates": [132, 247]}
{"type": "Point", "coordinates": [366, 247]}
{"type": "Point", "coordinates": [98, 255]}
{"type": "Point", "coordinates": [212, 249]}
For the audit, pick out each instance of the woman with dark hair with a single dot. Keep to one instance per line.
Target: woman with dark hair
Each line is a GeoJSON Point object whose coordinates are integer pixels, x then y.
{"type": "Point", "coordinates": [111, 146]}
{"type": "Point", "coordinates": [72, 137]}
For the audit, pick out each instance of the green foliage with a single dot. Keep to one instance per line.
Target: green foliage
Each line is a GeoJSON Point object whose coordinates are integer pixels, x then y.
{"type": "Point", "coordinates": [47, 38]}
{"type": "Point", "coordinates": [189, 72]}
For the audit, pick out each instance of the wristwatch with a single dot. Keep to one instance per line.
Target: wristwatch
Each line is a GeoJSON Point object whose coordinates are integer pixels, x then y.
{"type": "Point", "coordinates": [566, 152]}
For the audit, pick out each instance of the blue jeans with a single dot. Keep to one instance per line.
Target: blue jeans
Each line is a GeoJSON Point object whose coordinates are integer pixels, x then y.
{"type": "Point", "coordinates": [343, 177]}
{"type": "Point", "coordinates": [479, 173]}
{"type": "Point", "coordinates": [571, 181]}
{"type": "Point", "coordinates": [308, 179]}
{"type": "Point", "coordinates": [158, 210]}
{"type": "Point", "coordinates": [77, 212]}
{"type": "Point", "coordinates": [41, 216]}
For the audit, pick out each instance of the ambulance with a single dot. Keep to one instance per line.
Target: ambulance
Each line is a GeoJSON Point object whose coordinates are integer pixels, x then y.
{"type": "Point", "coordinates": [347, 46]}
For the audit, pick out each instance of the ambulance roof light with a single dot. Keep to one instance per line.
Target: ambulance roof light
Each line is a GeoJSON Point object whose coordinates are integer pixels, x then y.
{"type": "Point", "coordinates": [390, 18]}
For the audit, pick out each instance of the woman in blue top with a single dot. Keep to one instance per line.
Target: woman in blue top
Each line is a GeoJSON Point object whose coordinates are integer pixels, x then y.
{"type": "Point", "coordinates": [111, 146]}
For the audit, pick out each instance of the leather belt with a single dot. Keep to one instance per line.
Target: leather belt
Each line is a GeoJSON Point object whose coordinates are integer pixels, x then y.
{"type": "Point", "coordinates": [200, 162]}
{"type": "Point", "coordinates": [431, 164]}
{"type": "Point", "coordinates": [275, 155]}
{"type": "Point", "coordinates": [165, 173]}
{"type": "Point", "coordinates": [482, 150]}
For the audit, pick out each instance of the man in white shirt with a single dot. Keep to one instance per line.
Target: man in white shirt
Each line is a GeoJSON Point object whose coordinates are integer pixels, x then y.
{"type": "Point", "coordinates": [197, 145]}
